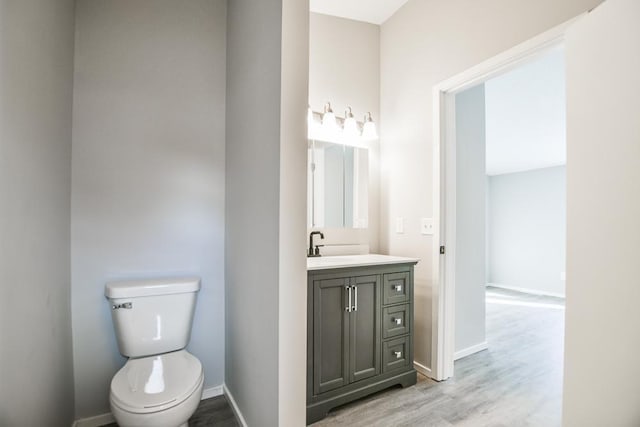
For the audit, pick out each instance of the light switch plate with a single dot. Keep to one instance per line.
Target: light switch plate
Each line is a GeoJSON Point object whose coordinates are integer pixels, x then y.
{"type": "Point", "coordinates": [399, 225]}
{"type": "Point", "coordinates": [426, 226]}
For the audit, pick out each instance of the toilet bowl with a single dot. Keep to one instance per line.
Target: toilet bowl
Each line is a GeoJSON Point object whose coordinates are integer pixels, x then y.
{"type": "Point", "coordinates": [160, 391]}
{"type": "Point", "coordinates": [161, 383]}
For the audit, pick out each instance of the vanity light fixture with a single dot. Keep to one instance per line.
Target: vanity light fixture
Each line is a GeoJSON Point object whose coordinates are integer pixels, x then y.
{"type": "Point", "coordinates": [329, 122]}
{"type": "Point", "coordinates": [327, 127]}
{"type": "Point", "coordinates": [369, 132]}
{"type": "Point", "coordinates": [350, 127]}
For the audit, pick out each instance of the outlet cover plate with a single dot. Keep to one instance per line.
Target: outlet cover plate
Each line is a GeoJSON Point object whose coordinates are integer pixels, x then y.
{"type": "Point", "coordinates": [426, 226]}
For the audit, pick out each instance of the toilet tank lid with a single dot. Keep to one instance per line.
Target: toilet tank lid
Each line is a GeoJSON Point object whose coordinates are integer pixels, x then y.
{"type": "Point", "coordinates": [151, 287]}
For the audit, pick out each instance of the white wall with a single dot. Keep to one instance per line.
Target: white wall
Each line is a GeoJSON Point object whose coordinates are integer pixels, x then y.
{"type": "Point", "coordinates": [470, 219]}
{"type": "Point", "coordinates": [527, 230]}
{"type": "Point", "coordinates": [148, 171]}
{"type": "Point", "coordinates": [344, 69]}
{"type": "Point", "coordinates": [36, 87]}
{"type": "Point", "coordinates": [424, 43]}
{"type": "Point", "coordinates": [267, 81]}
{"type": "Point", "coordinates": [602, 343]}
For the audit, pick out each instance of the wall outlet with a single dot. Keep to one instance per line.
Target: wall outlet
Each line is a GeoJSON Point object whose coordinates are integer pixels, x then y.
{"type": "Point", "coordinates": [399, 225]}
{"type": "Point", "coordinates": [426, 226]}
{"type": "Point", "coordinates": [563, 276]}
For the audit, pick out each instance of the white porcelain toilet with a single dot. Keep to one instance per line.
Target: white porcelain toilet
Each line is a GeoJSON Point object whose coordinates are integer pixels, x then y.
{"type": "Point", "coordinates": [161, 383]}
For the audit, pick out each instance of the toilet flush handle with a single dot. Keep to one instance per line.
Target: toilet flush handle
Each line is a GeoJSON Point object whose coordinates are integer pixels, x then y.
{"type": "Point", "coordinates": [126, 305]}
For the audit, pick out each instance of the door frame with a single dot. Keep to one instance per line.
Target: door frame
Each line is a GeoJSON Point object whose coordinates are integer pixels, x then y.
{"type": "Point", "coordinates": [444, 184]}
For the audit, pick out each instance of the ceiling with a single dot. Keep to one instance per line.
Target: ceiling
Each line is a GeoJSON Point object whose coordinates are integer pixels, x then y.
{"type": "Point", "coordinates": [525, 116]}
{"type": "Point", "coordinates": [372, 11]}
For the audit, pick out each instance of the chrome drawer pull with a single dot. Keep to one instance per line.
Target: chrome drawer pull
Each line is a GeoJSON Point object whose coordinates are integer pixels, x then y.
{"type": "Point", "coordinates": [398, 288]}
{"type": "Point", "coordinates": [397, 320]}
{"type": "Point", "coordinates": [398, 354]}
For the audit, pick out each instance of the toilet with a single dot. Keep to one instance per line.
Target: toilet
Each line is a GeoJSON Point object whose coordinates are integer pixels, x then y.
{"type": "Point", "coordinates": [161, 383]}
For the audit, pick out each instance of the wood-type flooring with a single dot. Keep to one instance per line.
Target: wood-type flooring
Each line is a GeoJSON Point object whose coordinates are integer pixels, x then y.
{"type": "Point", "coordinates": [517, 382]}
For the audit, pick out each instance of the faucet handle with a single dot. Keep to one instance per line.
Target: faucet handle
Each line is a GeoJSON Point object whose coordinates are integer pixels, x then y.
{"type": "Point", "coordinates": [317, 250]}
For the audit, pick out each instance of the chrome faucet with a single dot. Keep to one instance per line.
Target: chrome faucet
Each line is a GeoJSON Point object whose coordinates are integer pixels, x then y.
{"type": "Point", "coordinates": [314, 252]}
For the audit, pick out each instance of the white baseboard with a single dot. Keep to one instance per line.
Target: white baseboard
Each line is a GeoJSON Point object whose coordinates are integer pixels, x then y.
{"type": "Point", "coordinates": [527, 290]}
{"type": "Point", "coordinates": [97, 421]}
{"type": "Point", "coordinates": [422, 369]}
{"type": "Point", "coordinates": [208, 393]}
{"type": "Point", "coordinates": [103, 419]}
{"type": "Point", "coordinates": [234, 406]}
{"type": "Point", "coordinates": [470, 350]}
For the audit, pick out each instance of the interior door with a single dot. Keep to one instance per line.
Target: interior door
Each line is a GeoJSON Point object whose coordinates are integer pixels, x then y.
{"type": "Point", "coordinates": [365, 328]}
{"type": "Point", "coordinates": [603, 217]}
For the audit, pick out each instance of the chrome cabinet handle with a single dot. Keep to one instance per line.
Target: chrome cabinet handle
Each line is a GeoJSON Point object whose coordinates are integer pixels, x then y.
{"type": "Point", "coordinates": [348, 307]}
{"type": "Point", "coordinates": [355, 289]}
{"type": "Point", "coordinates": [397, 320]}
{"type": "Point", "coordinates": [398, 288]}
{"type": "Point", "coordinates": [398, 354]}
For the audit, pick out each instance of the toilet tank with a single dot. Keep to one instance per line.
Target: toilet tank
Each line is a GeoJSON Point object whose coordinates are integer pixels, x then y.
{"type": "Point", "coordinates": [152, 316]}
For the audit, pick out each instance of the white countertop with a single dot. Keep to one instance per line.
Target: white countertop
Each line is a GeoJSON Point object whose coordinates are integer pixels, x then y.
{"type": "Point", "coordinates": [327, 262]}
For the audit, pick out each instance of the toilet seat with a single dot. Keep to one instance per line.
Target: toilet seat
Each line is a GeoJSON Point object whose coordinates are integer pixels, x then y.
{"type": "Point", "coordinates": [156, 383]}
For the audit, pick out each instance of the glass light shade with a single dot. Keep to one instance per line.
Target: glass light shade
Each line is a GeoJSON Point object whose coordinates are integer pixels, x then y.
{"type": "Point", "coordinates": [351, 128]}
{"type": "Point", "coordinates": [330, 131]}
{"type": "Point", "coordinates": [329, 121]}
{"type": "Point", "coordinates": [369, 131]}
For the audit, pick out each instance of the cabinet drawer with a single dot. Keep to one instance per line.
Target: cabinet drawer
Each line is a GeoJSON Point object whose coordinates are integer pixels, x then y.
{"type": "Point", "coordinates": [395, 321]}
{"type": "Point", "coordinates": [396, 288]}
{"type": "Point", "coordinates": [396, 354]}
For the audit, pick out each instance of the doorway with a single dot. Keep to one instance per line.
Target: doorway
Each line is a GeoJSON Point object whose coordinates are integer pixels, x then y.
{"type": "Point", "coordinates": [510, 195]}
{"type": "Point", "coordinates": [445, 239]}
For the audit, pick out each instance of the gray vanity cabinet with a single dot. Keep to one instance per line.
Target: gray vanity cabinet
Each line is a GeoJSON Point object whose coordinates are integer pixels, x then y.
{"type": "Point", "coordinates": [345, 331]}
{"type": "Point", "coordinates": [359, 334]}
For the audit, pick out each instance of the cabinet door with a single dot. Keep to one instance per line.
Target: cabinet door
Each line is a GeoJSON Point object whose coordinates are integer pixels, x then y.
{"type": "Point", "coordinates": [330, 334]}
{"type": "Point", "coordinates": [364, 357]}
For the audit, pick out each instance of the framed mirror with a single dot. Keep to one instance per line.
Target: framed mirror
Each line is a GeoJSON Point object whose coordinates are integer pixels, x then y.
{"type": "Point", "coordinates": [337, 185]}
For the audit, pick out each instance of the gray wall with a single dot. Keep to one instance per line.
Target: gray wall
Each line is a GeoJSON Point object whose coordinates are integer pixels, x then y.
{"type": "Point", "coordinates": [603, 207]}
{"type": "Point", "coordinates": [527, 230]}
{"type": "Point", "coordinates": [344, 68]}
{"type": "Point", "coordinates": [36, 86]}
{"type": "Point", "coordinates": [267, 80]}
{"type": "Point", "coordinates": [252, 207]}
{"type": "Point", "coordinates": [422, 44]}
{"type": "Point", "coordinates": [148, 171]}
{"type": "Point", "coordinates": [470, 219]}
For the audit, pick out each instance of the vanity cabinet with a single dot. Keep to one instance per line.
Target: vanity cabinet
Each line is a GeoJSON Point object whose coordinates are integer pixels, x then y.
{"type": "Point", "coordinates": [359, 333]}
